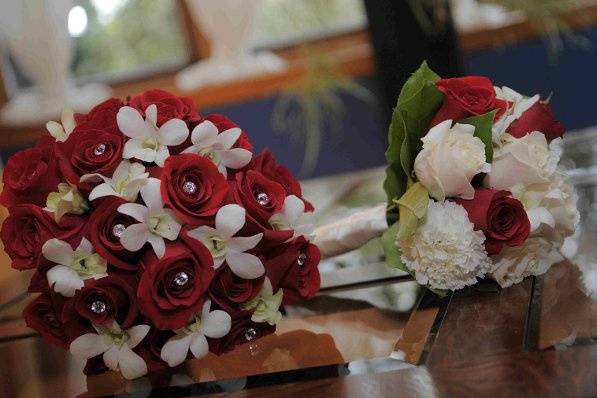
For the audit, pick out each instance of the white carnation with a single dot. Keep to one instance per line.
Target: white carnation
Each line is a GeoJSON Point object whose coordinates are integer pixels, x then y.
{"type": "Point", "coordinates": [535, 257]}
{"type": "Point", "coordinates": [450, 158]}
{"type": "Point", "coordinates": [445, 252]}
{"type": "Point", "coordinates": [527, 160]}
{"type": "Point", "coordinates": [518, 104]}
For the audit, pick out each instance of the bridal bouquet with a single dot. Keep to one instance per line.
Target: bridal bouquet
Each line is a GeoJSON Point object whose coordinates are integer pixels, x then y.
{"type": "Point", "coordinates": [154, 234]}
{"type": "Point", "coordinates": [473, 183]}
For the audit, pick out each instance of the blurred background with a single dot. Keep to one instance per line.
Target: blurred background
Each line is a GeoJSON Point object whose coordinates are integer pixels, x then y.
{"type": "Point", "coordinates": [314, 80]}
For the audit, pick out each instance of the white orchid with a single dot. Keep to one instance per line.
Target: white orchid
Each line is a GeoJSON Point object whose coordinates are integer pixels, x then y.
{"type": "Point", "coordinates": [266, 305]}
{"type": "Point", "coordinates": [66, 200]}
{"type": "Point", "coordinates": [126, 181]}
{"type": "Point", "coordinates": [292, 217]}
{"type": "Point", "coordinates": [73, 266]}
{"type": "Point", "coordinates": [116, 345]}
{"type": "Point", "coordinates": [213, 324]}
{"type": "Point", "coordinates": [208, 142]}
{"type": "Point", "coordinates": [225, 247]}
{"type": "Point", "coordinates": [59, 131]}
{"type": "Point", "coordinates": [148, 142]}
{"type": "Point", "coordinates": [155, 222]}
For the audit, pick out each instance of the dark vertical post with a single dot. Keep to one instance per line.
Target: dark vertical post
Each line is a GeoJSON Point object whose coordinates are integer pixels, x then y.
{"type": "Point", "coordinates": [404, 37]}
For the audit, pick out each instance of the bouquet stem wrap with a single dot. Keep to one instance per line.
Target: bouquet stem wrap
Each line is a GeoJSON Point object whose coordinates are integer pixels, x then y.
{"type": "Point", "coordinates": [352, 232]}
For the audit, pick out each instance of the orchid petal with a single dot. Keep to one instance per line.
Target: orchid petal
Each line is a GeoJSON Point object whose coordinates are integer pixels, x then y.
{"type": "Point", "coordinates": [151, 114]}
{"type": "Point", "coordinates": [226, 139]}
{"type": "Point", "coordinates": [131, 365]}
{"type": "Point", "coordinates": [134, 149]}
{"type": "Point", "coordinates": [229, 220]}
{"type": "Point", "coordinates": [173, 132]}
{"type": "Point", "coordinates": [161, 155]}
{"type": "Point", "coordinates": [235, 158]}
{"type": "Point", "coordinates": [245, 265]}
{"type": "Point", "coordinates": [58, 251]}
{"type": "Point", "coordinates": [242, 244]}
{"type": "Point", "coordinates": [293, 208]}
{"type": "Point", "coordinates": [64, 280]}
{"type": "Point", "coordinates": [102, 190]}
{"type": "Point", "coordinates": [202, 233]}
{"type": "Point", "coordinates": [85, 246]}
{"type": "Point", "coordinates": [158, 244]}
{"type": "Point", "coordinates": [216, 324]}
{"type": "Point", "coordinates": [135, 210]}
{"type": "Point", "coordinates": [134, 237]}
{"type": "Point", "coordinates": [137, 334]}
{"type": "Point", "coordinates": [111, 358]}
{"type": "Point", "coordinates": [204, 134]}
{"type": "Point", "coordinates": [168, 227]}
{"type": "Point", "coordinates": [130, 122]}
{"type": "Point", "coordinates": [199, 346]}
{"type": "Point", "coordinates": [174, 352]}
{"type": "Point", "coordinates": [88, 346]}
{"type": "Point", "coordinates": [150, 192]}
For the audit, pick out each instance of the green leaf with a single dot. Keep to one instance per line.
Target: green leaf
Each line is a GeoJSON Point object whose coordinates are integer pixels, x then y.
{"type": "Point", "coordinates": [413, 208]}
{"type": "Point", "coordinates": [416, 82]}
{"type": "Point", "coordinates": [391, 250]}
{"type": "Point", "coordinates": [483, 124]}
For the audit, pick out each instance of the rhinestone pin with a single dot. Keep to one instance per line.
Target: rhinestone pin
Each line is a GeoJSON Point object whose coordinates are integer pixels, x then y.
{"type": "Point", "coordinates": [181, 278]}
{"type": "Point", "coordinates": [189, 187]}
{"type": "Point", "coordinates": [99, 150]}
{"type": "Point", "coordinates": [301, 259]}
{"type": "Point", "coordinates": [118, 230]}
{"type": "Point", "coordinates": [262, 198]}
{"type": "Point", "coordinates": [250, 334]}
{"type": "Point", "coordinates": [98, 307]}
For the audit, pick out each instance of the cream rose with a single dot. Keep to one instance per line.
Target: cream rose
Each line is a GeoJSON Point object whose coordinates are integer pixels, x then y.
{"type": "Point", "coordinates": [528, 160]}
{"type": "Point", "coordinates": [450, 158]}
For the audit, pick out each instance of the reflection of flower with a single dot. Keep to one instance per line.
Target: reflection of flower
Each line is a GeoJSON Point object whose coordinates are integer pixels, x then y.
{"type": "Point", "coordinates": [116, 345]}
{"type": "Point", "coordinates": [445, 252]}
{"type": "Point", "coordinates": [72, 266]}
{"type": "Point", "coordinates": [224, 246]}
{"type": "Point", "coordinates": [213, 324]}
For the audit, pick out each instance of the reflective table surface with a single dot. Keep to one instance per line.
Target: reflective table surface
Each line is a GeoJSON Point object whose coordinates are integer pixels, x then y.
{"type": "Point", "coordinates": [371, 332]}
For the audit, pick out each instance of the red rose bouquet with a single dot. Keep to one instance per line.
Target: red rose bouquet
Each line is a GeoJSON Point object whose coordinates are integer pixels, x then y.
{"type": "Point", "coordinates": [155, 234]}
{"type": "Point", "coordinates": [473, 183]}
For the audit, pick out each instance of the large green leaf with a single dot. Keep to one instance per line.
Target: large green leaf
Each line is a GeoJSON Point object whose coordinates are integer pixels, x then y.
{"type": "Point", "coordinates": [418, 102]}
{"type": "Point", "coordinates": [391, 250]}
{"type": "Point", "coordinates": [413, 208]}
{"type": "Point", "coordinates": [483, 124]}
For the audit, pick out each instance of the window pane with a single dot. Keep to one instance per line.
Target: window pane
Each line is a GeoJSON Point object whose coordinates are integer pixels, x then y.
{"type": "Point", "coordinates": [125, 36]}
{"type": "Point", "coordinates": [286, 21]}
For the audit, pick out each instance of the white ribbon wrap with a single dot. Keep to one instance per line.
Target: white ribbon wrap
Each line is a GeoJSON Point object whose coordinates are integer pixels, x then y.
{"type": "Point", "coordinates": [352, 232]}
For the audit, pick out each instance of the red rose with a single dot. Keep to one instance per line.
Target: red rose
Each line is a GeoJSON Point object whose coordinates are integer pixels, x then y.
{"type": "Point", "coordinates": [223, 124]}
{"type": "Point", "coordinates": [229, 291]}
{"type": "Point", "coordinates": [193, 187]}
{"type": "Point", "coordinates": [88, 151]}
{"type": "Point", "coordinates": [269, 167]}
{"type": "Point", "coordinates": [30, 175]}
{"type": "Point", "coordinates": [102, 300]}
{"type": "Point", "coordinates": [169, 106]}
{"type": "Point", "coordinates": [28, 227]}
{"type": "Point", "coordinates": [101, 117]}
{"type": "Point", "coordinates": [538, 117]}
{"type": "Point", "coordinates": [172, 288]}
{"type": "Point", "coordinates": [242, 330]}
{"type": "Point", "coordinates": [295, 269]}
{"type": "Point", "coordinates": [467, 96]}
{"type": "Point", "coordinates": [261, 198]}
{"type": "Point", "coordinates": [502, 218]}
{"type": "Point", "coordinates": [43, 315]}
{"type": "Point", "coordinates": [105, 226]}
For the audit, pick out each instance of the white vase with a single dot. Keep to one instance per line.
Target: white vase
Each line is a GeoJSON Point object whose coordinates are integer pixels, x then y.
{"type": "Point", "coordinates": [227, 25]}
{"type": "Point", "coordinates": [36, 34]}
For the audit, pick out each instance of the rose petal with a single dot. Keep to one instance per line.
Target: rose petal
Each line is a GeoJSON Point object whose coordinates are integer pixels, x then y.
{"type": "Point", "coordinates": [88, 346]}
{"type": "Point", "coordinates": [174, 352]}
{"type": "Point", "coordinates": [229, 220]}
{"type": "Point", "coordinates": [245, 265]}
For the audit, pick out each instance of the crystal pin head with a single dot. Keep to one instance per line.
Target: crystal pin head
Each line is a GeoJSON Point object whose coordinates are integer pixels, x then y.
{"type": "Point", "coordinates": [99, 150]}
{"type": "Point", "coordinates": [181, 278]}
{"type": "Point", "coordinates": [118, 230]}
{"type": "Point", "coordinates": [189, 187]}
{"type": "Point", "coordinates": [301, 259]}
{"type": "Point", "coordinates": [262, 198]}
{"type": "Point", "coordinates": [98, 307]}
{"type": "Point", "coordinates": [250, 334]}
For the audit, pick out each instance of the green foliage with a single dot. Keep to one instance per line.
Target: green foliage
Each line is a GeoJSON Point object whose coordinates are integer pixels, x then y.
{"type": "Point", "coordinates": [483, 124]}
{"type": "Point", "coordinates": [413, 208]}
{"type": "Point", "coordinates": [391, 250]}
{"type": "Point", "coordinates": [418, 102]}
